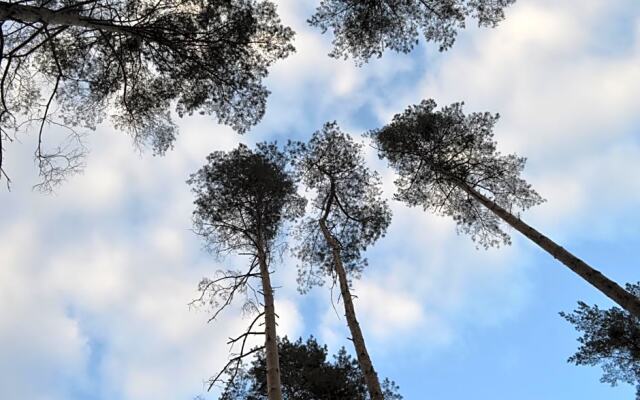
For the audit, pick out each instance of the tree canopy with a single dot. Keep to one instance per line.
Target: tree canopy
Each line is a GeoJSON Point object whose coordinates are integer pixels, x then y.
{"type": "Point", "coordinates": [243, 197]}
{"type": "Point", "coordinates": [363, 29]}
{"type": "Point", "coordinates": [347, 196]}
{"type": "Point", "coordinates": [610, 338]}
{"type": "Point", "coordinates": [448, 163]}
{"type": "Point", "coordinates": [307, 374]}
{"type": "Point", "coordinates": [72, 63]}
{"type": "Point", "coordinates": [435, 152]}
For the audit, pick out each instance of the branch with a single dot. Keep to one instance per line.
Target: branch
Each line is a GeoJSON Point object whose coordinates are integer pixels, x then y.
{"type": "Point", "coordinates": [238, 359]}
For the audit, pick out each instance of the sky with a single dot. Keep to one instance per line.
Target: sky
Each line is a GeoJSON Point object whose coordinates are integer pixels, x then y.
{"type": "Point", "coordinates": [95, 279]}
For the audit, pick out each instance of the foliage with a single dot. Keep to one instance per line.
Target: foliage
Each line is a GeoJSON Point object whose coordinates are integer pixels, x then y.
{"type": "Point", "coordinates": [363, 29]}
{"type": "Point", "coordinates": [243, 197]}
{"type": "Point", "coordinates": [610, 338]}
{"type": "Point", "coordinates": [306, 375]}
{"type": "Point", "coordinates": [72, 63]}
{"type": "Point", "coordinates": [347, 196]}
{"type": "Point", "coordinates": [437, 153]}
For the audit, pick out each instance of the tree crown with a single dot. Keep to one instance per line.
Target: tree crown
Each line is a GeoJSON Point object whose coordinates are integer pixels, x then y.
{"type": "Point", "coordinates": [307, 374]}
{"type": "Point", "coordinates": [363, 29]}
{"type": "Point", "coordinates": [610, 338]}
{"type": "Point", "coordinates": [347, 197]}
{"type": "Point", "coordinates": [438, 153]}
{"type": "Point", "coordinates": [71, 63]}
{"type": "Point", "coordinates": [242, 198]}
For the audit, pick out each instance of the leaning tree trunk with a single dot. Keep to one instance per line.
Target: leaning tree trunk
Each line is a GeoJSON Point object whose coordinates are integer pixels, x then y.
{"type": "Point", "coordinates": [274, 391]}
{"type": "Point", "coordinates": [370, 376]}
{"type": "Point", "coordinates": [611, 289]}
{"type": "Point", "coordinates": [69, 16]}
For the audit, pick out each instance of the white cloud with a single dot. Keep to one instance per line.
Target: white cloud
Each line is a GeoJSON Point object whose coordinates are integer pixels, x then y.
{"type": "Point", "coordinates": [96, 280]}
{"type": "Point", "coordinates": [41, 345]}
{"type": "Point", "coordinates": [133, 301]}
{"type": "Point", "coordinates": [290, 321]}
{"type": "Point", "coordinates": [387, 310]}
{"type": "Point", "coordinates": [540, 71]}
{"type": "Point", "coordinates": [383, 311]}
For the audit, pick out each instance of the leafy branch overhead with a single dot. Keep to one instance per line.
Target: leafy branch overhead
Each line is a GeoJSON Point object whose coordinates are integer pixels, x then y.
{"type": "Point", "coordinates": [363, 29]}
{"type": "Point", "coordinates": [72, 63]}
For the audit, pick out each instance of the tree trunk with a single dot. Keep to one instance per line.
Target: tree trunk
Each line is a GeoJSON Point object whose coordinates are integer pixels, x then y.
{"type": "Point", "coordinates": [370, 376]}
{"type": "Point", "coordinates": [611, 289]}
{"type": "Point", "coordinates": [274, 391]}
{"type": "Point", "coordinates": [65, 17]}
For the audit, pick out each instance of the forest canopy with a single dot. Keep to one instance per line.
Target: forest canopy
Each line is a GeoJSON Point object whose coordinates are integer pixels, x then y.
{"type": "Point", "coordinates": [365, 29]}
{"type": "Point", "coordinates": [74, 63]}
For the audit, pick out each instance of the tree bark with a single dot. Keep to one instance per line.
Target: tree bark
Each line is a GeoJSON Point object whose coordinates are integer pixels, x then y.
{"type": "Point", "coordinates": [611, 289]}
{"type": "Point", "coordinates": [370, 375]}
{"type": "Point", "coordinates": [274, 390]}
{"type": "Point", "coordinates": [66, 17]}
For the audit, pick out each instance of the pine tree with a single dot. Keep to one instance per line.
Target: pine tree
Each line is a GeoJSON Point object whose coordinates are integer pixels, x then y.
{"type": "Point", "coordinates": [610, 338]}
{"type": "Point", "coordinates": [307, 374]}
{"type": "Point", "coordinates": [447, 162]}
{"type": "Point", "coordinates": [243, 197]}
{"type": "Point", "coordinates": [349, 215]}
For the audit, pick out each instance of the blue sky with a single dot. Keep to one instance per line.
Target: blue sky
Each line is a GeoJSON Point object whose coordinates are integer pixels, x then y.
{"type": "Point", "coordinates": [95, 279]}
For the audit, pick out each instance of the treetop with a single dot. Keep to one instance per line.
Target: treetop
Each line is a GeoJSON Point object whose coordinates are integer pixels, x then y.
{"type": "Point", "coordinates": [440, 154]}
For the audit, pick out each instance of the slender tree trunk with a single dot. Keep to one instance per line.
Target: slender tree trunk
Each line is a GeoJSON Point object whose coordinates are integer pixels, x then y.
{"type": "Point", "coordinates": [67, 17]}
{"type": "Point", "coordinates": [370, 376]}
{"type": "Point", "coordinates": [274, 390]}
{"type": "Point", "coordinates": [611, 289]}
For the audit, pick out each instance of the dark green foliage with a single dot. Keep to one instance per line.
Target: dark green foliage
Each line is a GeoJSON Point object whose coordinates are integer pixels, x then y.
{"type": "Point", "coordinates": [436, 153]}
{"type": "Point", "coordinates": [306, 375]}
{"type": "Point", "coordinates": [347, 194]}
{"type": "Point", "coordinates": [135, 60]}
{"type": "Point", "coordinates": [363, 29]}
{"type": "Point", "coordinates": [610, 338]}
{"type": "Point", "coordinates": [242, 198]}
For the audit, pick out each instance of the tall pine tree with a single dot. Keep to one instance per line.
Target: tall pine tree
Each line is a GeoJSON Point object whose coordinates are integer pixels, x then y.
{"type": "Point", "coordinates": [447, 162]}
{"type": "Point", "coordinates": [243, 197]}
{"type": "Point", "coordinates": [348, 216]}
